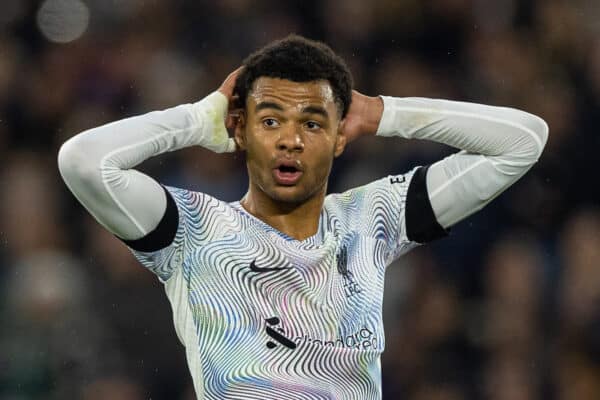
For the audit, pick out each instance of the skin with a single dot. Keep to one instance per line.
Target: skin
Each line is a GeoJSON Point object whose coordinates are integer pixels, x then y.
{"type": "Point", "coordinates": [294, 122]}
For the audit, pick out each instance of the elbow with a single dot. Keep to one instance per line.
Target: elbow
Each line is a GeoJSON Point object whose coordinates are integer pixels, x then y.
{"type": "Point", "coordinates": [74, 164]}
{"type": "Point", "coordinates": [530, 135]}
{"type": "Point", "coordinates": [538, 129]}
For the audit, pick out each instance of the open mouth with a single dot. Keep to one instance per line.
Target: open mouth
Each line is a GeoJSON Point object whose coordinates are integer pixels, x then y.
{"type": "Point", "coordinates": [287, 174]}
{"type": "Point", "coordinates": [287, 169]}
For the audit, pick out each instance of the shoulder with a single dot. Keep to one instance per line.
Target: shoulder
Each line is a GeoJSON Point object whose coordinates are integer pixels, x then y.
{"type": "Point", "coordinates": [364, 206]}
{"type": "Point", "coordinates": [380, 190]}
{"type": "Point", "coordinates": [197, 202]}
{"type": "Point", "coordinates": [203, 215]}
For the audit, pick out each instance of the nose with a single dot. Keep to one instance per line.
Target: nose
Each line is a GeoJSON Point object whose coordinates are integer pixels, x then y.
{"type": "Point", "coordinates": [290, 139]}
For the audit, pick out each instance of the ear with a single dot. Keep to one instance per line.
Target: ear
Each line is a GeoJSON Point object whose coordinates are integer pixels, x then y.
{"type": "Point", "coordinates": [239, 134]}
{"type": "Point", "coordinates": [341, 140]}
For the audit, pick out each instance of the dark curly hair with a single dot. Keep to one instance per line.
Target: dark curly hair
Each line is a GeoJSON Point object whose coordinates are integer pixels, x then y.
{"type": "Point", "coordinates": [297, 59]}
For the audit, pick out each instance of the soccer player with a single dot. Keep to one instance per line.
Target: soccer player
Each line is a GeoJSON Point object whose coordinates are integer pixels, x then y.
{"type": "Point", "coordinates": [279, 295]}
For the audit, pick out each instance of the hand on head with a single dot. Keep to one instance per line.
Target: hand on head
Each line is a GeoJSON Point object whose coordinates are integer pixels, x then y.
{"type": "Point", "coordinates": [227, 88]}
{"type": "Point", "coordinates": [363, 116]}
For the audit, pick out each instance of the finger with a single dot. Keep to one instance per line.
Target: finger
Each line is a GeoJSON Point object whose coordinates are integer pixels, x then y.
{"type": "Point", "coordinates": [228, 84]}
{"type": "Point", "coordinates": [233, 75]}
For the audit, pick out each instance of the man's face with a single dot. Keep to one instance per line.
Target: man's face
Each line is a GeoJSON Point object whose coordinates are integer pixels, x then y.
{"type": "Point", "coordinates": [290, 132]}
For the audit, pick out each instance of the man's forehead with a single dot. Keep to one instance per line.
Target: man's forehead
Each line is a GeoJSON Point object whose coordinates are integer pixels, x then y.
{"type": "Point", "coordinates": [287, 91]}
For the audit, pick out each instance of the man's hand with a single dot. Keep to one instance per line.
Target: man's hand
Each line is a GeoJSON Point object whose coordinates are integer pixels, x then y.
{"type": "Point", "coordinates": [227, 88]}
{"type": "Point", "coordinates": [363, 116]}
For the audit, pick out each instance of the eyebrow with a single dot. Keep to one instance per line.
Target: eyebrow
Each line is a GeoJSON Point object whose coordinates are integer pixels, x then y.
{"type": "Point", "coordinates": [263, 105]}
{"type": "Point", "coordinates": [267, 104]}
{"type": "Point", "coordinates": [315, 110]}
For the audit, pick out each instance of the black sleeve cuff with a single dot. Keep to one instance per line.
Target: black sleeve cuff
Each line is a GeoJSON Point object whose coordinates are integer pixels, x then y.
{"type": "Point", "coordinates": [421, 224]}
{"type": "Point", "coordinates": [164, 234]}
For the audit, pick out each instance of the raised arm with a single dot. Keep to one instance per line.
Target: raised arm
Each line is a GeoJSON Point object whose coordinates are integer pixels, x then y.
{"type": "Point", "coordinates": [97, 164]}
{"type": "Point", "coordinates": [498, 146]}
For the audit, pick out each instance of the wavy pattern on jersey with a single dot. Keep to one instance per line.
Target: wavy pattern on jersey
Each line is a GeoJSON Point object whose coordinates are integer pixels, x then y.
{"type": "Point", "coordinates": [207, 218]}
{"type": "Point", "coordinates": [324, 294]}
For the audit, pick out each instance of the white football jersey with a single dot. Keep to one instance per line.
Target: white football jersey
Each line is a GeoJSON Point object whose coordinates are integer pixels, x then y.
{"type": "Point", "coordinates": [265, 316]}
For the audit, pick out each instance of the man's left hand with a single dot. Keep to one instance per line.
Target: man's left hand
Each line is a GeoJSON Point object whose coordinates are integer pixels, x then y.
{"type": "Point", "coordinates": [363, 116]}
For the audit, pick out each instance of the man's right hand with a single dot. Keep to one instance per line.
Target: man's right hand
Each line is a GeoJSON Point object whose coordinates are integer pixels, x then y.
{"type": "Point", "coordinates": [227, 88]}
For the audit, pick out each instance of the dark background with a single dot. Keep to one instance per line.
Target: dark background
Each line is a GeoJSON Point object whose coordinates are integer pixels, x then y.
{"type": "Point", "coordinates": [506, 308]}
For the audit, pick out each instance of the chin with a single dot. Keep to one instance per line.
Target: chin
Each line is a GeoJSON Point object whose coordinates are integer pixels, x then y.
{"type": "Point", "coordinates": [289, 194]}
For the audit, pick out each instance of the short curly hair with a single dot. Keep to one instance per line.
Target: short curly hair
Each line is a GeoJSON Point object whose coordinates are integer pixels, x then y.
{"type": "Point", "coordinates": [297, 59]}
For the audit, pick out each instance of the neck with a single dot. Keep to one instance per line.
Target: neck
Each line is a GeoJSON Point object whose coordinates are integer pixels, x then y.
{"type": "Point", "coordinates": [296, 220]}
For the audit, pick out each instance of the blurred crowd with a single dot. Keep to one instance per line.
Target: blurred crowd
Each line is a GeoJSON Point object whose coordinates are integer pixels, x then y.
{"type": "Point", "coordinates": [506, 308]}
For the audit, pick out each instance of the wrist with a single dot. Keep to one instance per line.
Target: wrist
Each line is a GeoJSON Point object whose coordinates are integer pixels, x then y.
{"type": "Point", "coordinates": [373, 110]}
{"type": "Point", "coordinates": [392, 121]}
{"type": "Point", "coordinates": [213, 135]}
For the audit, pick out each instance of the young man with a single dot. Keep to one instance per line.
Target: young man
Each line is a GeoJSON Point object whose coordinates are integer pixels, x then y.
{"type": "Point", "coordinates": [279, 295]}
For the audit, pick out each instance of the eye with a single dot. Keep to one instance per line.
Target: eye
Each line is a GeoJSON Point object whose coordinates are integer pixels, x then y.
{"type": "Point", "coordinates": [270, 123]}
{"type": "Point", "coordinates": [312, 125]}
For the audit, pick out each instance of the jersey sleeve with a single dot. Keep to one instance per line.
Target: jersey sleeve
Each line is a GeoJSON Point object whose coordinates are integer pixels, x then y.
{"type": "Point", "coordinates": [162, 250]}
{"type": "Point", "coordinates": [397, 210]}
{"type": "Point", "coordinates": [498, 146]}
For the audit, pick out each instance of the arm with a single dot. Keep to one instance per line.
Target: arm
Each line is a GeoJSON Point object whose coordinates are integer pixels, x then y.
{"type": "Point", "coordinates": [97, 164]}
{"type": "Point", "coordinates": [498, 146]}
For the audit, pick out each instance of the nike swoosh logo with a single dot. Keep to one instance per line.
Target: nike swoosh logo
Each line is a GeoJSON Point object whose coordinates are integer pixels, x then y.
{"type": "Point", "coordinates": [254, 268]}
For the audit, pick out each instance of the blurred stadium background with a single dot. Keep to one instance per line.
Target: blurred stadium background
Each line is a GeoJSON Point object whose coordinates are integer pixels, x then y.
{"type": "Point", "coordinates": [507, 308]}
